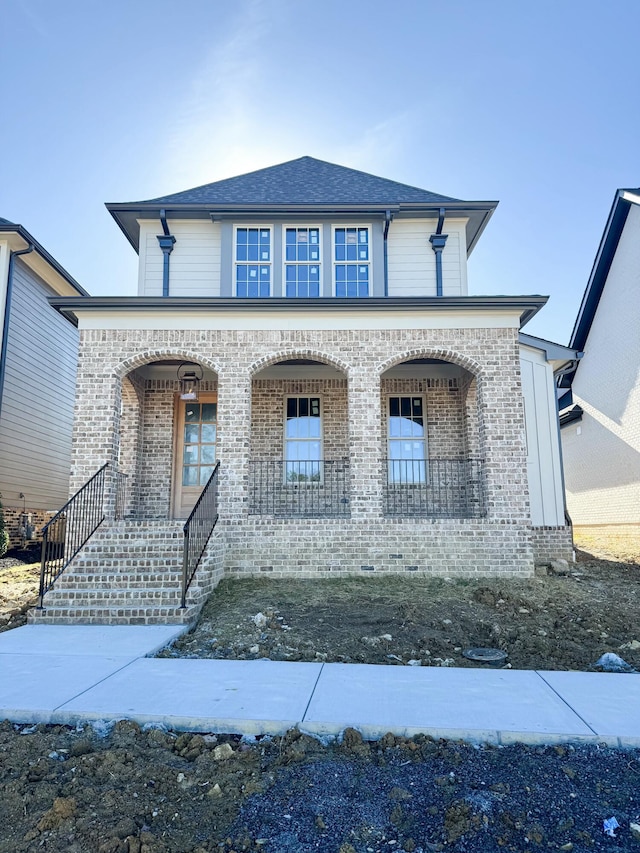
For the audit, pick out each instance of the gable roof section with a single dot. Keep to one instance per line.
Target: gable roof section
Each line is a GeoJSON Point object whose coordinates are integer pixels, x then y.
{"type": "Point", "coordinates": [618, 214]}
{"type": "Point", "coordinates": [303, 186]}
{"type": "Point", "coordinates": [40, 261]}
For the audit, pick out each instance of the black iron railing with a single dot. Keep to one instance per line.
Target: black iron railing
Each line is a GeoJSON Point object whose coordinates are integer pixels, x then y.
{"type": "Point", "coordinates": [197, 531]}
{"type": "Point", "coordinates": [121, 495]}
{"type": "Point", "coordinates": [307, 489]}
{"type": "Point", "coordinates": [69, 529]}
{"type": "Point", "coordinates": [434, 488]}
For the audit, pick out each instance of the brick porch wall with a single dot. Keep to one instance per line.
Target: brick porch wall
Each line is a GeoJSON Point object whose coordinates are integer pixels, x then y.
{"type": "Point", "coordinates": [332, 547]}
{"type": "Point", "coordinates": [363, 356]}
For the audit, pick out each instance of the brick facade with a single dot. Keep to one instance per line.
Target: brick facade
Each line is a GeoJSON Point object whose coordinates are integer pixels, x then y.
{"type": "Point", "coordinates": [479, 414]}
{"type": "Point", "coordinates": [552, 543]}
{"type": "Point", "coordinates": [39, 517]}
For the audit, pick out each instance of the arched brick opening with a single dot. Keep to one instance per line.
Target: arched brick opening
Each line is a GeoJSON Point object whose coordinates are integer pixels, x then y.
{"type": "Point", "coordinates": [299, 435]}
{"type": "Point", "coordinates": [150, 430]}
{"type": "Point", "coordinates": [432, 431]}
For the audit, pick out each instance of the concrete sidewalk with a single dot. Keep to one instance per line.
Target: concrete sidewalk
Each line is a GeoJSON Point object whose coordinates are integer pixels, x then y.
{"type": "Point", "coordinates": [76, 674]}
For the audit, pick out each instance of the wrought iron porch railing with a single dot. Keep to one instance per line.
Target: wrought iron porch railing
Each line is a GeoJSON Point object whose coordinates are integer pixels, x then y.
{"type": "Point", "coordinates": [434, 488]}
{"type": "Point", "coordinates": [121, 495]}
{"type": "Point", "coordinates": [197, 531]}
{"type": "Point", "coordinates": [69, 529]}
{"type": "Point", "coordinates": [299, 489]}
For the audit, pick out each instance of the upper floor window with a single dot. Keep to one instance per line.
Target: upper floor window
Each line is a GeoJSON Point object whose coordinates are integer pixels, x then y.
{"type": "Point", "coordinates": [253, 262]}
{"type": "Point", "coordinates": [302, 269]}
{"type": "Point", "coordinates": [352, 261]}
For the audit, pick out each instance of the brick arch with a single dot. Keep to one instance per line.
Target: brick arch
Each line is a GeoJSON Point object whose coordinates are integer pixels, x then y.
{"type": "Point", "coordinates": [425, 352]}
{"type": "Point", "coordinates": [149, 356]}
{"type": "Point", "coordinates": [323, 358]}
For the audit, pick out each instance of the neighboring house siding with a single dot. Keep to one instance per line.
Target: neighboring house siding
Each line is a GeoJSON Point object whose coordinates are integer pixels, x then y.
{"type": "Point", "coordinates": [544, 468]}
{"type": "Point", "coordinates": [39, 391]}
{"type": "Point", "coordinates": [412, 261]}
{"type": "Point", "coordinates": [602, 451]}
{"type": "Point", "coordinates": [194, 261]}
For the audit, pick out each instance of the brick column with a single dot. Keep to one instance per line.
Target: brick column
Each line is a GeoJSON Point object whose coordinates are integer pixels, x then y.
{"type": "Point", "coordinates": [234, 436]}
{"type": "Point", "coordinates": [95, 430]}
{"type": "Point", "coordinates": [502, 431]}
{"type": "Point", "coordinates": [365, 444]}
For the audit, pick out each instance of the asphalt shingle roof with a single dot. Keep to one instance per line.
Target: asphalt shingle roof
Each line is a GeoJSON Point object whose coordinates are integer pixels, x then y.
{"type": "Point", "coordinates": [301, 182]}
{"type": "Point", "coordinates": [6, 221]}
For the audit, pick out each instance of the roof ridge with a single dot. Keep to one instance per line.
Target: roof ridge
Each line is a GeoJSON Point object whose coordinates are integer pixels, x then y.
{"type": "Point", "coordinates": [298, 181]}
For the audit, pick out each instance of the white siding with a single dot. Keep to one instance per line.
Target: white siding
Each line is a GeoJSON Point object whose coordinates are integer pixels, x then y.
{"type": "Point", "coordinates": [543, 444]}
{"type": "Point", "coordinates": [38, 398]}
{"type": "Point", "coordinates": [602, 452]}
{"type": "Point", "coordinates": [195, 260]}
{"type": "Point", "coordinates": [412, 261]}
{"type": "Point", "coordinates": [4, 270]}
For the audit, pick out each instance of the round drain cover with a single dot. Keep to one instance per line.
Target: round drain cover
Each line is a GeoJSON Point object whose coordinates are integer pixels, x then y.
{"type": "Point", "coordinates": [491, 656]}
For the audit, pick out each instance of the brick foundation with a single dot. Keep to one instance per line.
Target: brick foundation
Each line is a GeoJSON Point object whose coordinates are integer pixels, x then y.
{"type": "Point", "coordinates": [552, 543]}
{"type": "Point", "coordinates": [320, 548]}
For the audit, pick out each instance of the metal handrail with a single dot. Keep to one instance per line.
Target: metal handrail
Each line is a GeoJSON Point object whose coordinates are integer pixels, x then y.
{"type": "Point", "coordinates": [197, 531]}
{"type": "Point", "coordinates": [65, 534]}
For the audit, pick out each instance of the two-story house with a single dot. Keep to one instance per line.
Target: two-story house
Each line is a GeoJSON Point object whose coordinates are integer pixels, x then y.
{"type": "Point", "coordinates": [309, 327]}
{"type": "Point", "coordinates": [38, 355]}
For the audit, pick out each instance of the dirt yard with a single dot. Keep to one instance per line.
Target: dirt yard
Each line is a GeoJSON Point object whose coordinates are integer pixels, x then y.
{"type": "Point", "coordinates": [547, 622]}
{"type": "Point", "coordinates": [118, 789]}
{"type": "Point", "coordinates": [19, 581]}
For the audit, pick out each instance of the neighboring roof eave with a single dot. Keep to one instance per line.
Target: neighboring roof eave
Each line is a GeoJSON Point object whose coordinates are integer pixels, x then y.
{"type": "Point", "coordinates": [571, 416]}
{"type": "Point", "coordinates": [528, 306]}
{"type": "Point", "coordinates": [607, 248]}
{"type": "Point", "coordinates": [49, 259]}
{"type": "Point", "coordinates": [552, 352]}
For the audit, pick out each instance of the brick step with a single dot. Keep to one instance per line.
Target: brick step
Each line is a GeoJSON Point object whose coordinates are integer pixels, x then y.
{"type": "Point", "coordinates": [115, 598]}
{"type": "Point", "coordinates": [98, 561]}
{"type": "Point", "coordinates": [127, 547]}
{"type": "Point", "coordinates": [162, 615]}
{"type": "Point", "coordinates": [103, 580]}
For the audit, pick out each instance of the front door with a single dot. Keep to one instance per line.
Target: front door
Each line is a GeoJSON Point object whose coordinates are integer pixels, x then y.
{"type": "Point", "coordinates": [195, 451]}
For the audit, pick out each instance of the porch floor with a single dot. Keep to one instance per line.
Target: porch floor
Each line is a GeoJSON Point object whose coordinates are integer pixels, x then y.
{"type": "Point", "coordinates": [74, 674]}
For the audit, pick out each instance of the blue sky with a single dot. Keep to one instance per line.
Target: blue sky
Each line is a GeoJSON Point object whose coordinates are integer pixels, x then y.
{"type": "Point", "coordinates": [531, 103]}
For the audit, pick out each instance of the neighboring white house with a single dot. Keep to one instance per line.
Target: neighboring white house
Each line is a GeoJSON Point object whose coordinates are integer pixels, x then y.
{"type": "Point", "coordinates": [601, 404]}
{"type": "Point", "coordinates": [38, 356]}
{"type": "Point", "coordinates": [368, 414]}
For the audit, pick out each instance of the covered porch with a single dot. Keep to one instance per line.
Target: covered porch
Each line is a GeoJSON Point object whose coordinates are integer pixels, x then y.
{"type": "Point", "coordinates": [422, 419]}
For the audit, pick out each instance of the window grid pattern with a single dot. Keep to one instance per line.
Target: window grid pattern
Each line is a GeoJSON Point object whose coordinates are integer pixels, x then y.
{"type": "Point", "coordinates": [253, 262]}
{"type": "Point", "coordinates": [302, 269]}
{"type": "Point", "coordinates": [352, 261]}
{"type": "Point", "coordinates": [303, 440]}
{"type": "Point", "coordinates": [199, 450]}
{"type": "Point", "coordinates": [406, 440]}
